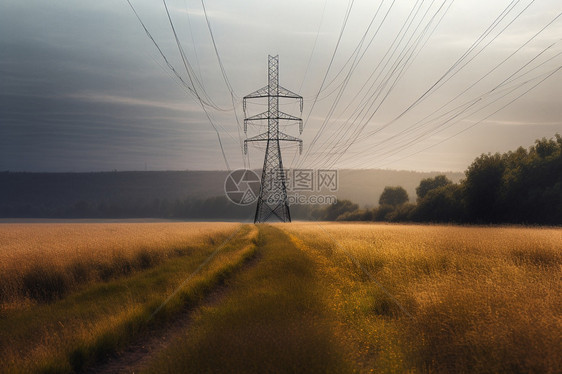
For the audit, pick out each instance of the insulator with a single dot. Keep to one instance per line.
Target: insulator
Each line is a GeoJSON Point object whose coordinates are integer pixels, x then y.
{"type": "Point", "coordinates": [300, 126]}
{"type": "Point", "coordinates": [245, 147]}
{"type": "Point", "coordinates": [300, 147]}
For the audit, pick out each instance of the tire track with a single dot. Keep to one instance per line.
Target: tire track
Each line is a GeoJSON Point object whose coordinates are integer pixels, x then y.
{"type": "Point", "coordinates": [137, 355]}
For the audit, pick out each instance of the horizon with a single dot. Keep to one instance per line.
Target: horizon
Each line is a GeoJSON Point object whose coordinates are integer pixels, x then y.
{"type": "Point", "coordinates": [215, 170]}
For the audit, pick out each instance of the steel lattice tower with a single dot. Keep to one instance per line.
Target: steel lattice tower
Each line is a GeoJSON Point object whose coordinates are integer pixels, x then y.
{"type": "Point", "coordinates": [272, 200]}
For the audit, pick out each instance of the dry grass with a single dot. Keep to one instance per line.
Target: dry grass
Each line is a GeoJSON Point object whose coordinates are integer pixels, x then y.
{"type": "Point", "coordinates": [43, 262]}
{"type": "Point", "coordinates": [273, 321]}
{"type": "Point", "coordinates": [482, 299]}
{"type": "Point", "coordinates": [67, 335]}
{"type": "Point", "coordinates": [478, 299]}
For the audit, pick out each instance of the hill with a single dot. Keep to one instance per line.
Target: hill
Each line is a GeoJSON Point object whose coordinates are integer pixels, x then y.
{"type": "Point", "coordinates": [72, 194]}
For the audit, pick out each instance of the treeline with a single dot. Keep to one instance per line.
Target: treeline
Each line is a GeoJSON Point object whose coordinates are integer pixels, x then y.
{"type": "Point", "coordinates": [522, 186]}
{"type": "Point", "coordinates": [218, 207]}
{"type": "Point", "coordinates": [129, 208]}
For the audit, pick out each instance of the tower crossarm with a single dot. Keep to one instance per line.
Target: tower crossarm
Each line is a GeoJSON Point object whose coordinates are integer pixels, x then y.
{"type": "Point", "coordinates": [288, 117]}
{"type": "Point", "coordinates": [262, 92]}
{"type": "Point", "coordinates": [288, 138]}
{"type": "Point", "coordinates": [282, 137]}
{"type": "Point", "coordinates": [263, 137]}
{"type": "Point", "coordinates": [258, 117]}
{"type": "Point", "coordinates": [283, 92]}
{"type": "Point", "coordinates": [265, 116]}
{"type": "Point", "coordinates": [258, 138]}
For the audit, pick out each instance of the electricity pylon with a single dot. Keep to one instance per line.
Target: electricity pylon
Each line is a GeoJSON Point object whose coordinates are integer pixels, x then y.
{"type": "Point", "coordinates": [272, 200]}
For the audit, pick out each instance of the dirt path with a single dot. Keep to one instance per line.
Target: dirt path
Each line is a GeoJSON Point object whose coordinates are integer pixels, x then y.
{"type": "Point", "coordinates": [275, 320]}
{"type": "Point", "coordinates": [138, 355]}
{"type": "Point", "coordinates": [271, 317]}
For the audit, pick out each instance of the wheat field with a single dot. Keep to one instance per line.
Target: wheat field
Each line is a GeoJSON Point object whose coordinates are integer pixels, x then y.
{"type": "Point", "coordinates": [445, 298]}
{"type": "Point", "coordinates": [89, 320]}
{"type": "Point", "coordinates": [43, 261]}
{"type": "Point", "coordinates": [327, 297]}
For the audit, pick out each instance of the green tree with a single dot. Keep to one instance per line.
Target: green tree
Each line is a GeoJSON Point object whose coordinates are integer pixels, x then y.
{"type": "Point", "coordinates": [443, 204]}
{"type": "Point", "coordinates": [356, 215]}
{"type": "Point", "coordinates": [383, 213]}
{"type": "Point", "coordinates": [401, 213]}
{"type": "Point", "coordinates": [429, 184]}
{"type": "Point", "coordinates": [333, 211]}
{"type": "Point", "coordinates": [483, 187]}
{"type": "Point", "coordinates": [533, 183]}
{"type": "Point", "coordinates": [393, 196]}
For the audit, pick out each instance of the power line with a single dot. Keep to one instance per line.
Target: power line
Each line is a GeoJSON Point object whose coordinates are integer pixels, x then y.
{"type": "Point", "coordinates": [480, 121]}
{"type": "Point", "coordinates": [503, 86]}
{"type": "Point", "coordinates": [314, 45]}
{"type": "Point", "coordinates": [458, 65]}
{"type": "Point", "coordinates": [409, 20]}
{"type": "Point", "coordinates": [449, 73]}
{"type": "Point", "coordinates": [348, 76]}
{"type": "Point", "coordinates": [467, 105]}
{"type": "Point", "coordinates": [483, 77]}
{"type": "Point", "coordinates": [226, 81]}
{"type": "Point", "coordinates": [191, 79]}
{"type": "Point", "coordinates": [190, 88]}
{"type": "Point", "coordinates": [193, 42]}
{"type": "Point", "coordinates": [398, 66]}
{"type": "Point", "coordinates": [346, 17]}
{"type": "Point", "coordinates": [344, 83]}
{"type": "Point", "coordinates": [385, 79]}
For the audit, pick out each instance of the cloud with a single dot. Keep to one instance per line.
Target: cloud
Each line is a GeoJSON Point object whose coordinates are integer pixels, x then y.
{"type": "Point", "coordinates": [81, 81]}
{"type": "Point", "coordinates": [521, 123]}
{"type": "Point", "coordinates": [131, 101]}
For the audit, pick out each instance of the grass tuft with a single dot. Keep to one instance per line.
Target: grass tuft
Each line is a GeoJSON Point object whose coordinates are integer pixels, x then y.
{"type": "Point", "coordinates": [69, 334]}
{"type": "Point", "coordinates": [538, 257]}
{"type": "Point", "coordinates": [44, 262]}
{"type": "Point", "coordinates": [44, 283]}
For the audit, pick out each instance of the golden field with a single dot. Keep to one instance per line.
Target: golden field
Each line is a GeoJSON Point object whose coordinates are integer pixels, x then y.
{"type": "Point", "coordinates": [84, 325]}
{"type": "Point", "coordinates": [317, 297]}
{"type": "Point", "coordinates": [42, 261]}
{"type": "Point", "coordinates": [444, 298]}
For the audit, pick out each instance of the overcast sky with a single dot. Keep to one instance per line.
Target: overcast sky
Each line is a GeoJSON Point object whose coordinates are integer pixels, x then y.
{"type": "Point", "coordinates": [83, 88]}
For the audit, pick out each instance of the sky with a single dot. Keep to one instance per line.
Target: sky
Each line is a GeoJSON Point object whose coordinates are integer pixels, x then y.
{"type": "Point", "coordinates": [410, 85]}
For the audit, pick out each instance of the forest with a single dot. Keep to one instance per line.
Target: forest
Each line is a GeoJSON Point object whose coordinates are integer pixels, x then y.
{"type": "Point", "coordinates": [522, 187]}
